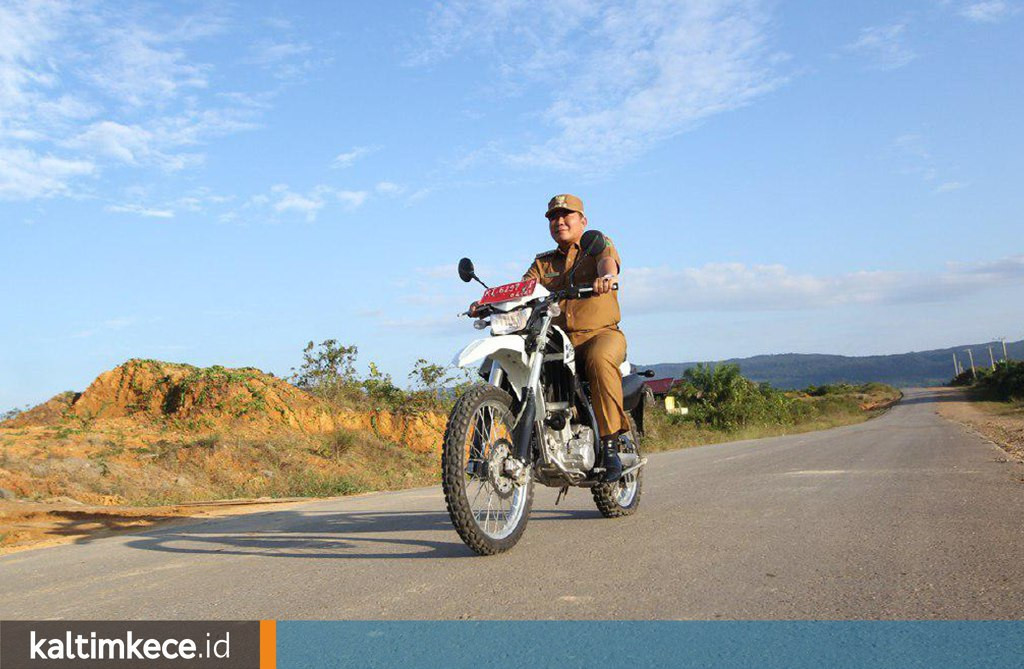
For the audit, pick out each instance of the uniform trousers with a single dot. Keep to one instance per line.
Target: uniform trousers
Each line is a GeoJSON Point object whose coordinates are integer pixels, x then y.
{"type": "Point", "coordinates": [599, 354]}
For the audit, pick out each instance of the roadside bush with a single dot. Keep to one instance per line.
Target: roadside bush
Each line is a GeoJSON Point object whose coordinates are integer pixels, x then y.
{"type": "Point", "coordinates": [969, 377]}
{"type": "Point", "coordinates": [1004, 383]}
{"type": "Point", "coordinates": [722, 398]}
{"type": "Point", "coordinates": [328, 371]}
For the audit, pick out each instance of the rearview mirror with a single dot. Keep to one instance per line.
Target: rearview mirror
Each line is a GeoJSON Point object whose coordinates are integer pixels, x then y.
{"type": "Point", "coordinates": [592, 242]}
{"type": "Point", "coordinates": [466, 270]}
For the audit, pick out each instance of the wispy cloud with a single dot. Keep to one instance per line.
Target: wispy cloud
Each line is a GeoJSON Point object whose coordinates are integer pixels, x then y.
{"type": "Point", "coordinates": [389, 188]}
{"type": "Point", "coordinates": [352, 199]}
{"type": "Point", "coordinates": [85, 88]}
{"type": "Point", "coordinates": [988, 11]}
{"type": "Point", "coordinates": [26, 174]}
{"type": "Point", "coordinates": [308, 204]}
{"type": "Point", "coordinates": [110, 325]}
{"type": "Point", "coordinates": [950, 186]}
{"type": "Point", "coordinates": [674, 64]}
{"type": "Point", "coordinates": [884, 47]}
{"type": "Point", "coordinates": [282, 200]}
{"type": "Point", "coordinates": [348, 158]}
{"type": "Point", "coordinates": [913, 157]}
{"type": "Point", "coordinates": [140, 210]}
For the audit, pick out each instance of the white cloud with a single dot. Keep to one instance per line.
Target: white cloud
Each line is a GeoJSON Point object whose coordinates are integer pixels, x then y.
{"type": "Point", "coordinates": [353, 199]}
{"type": "Point", "coordinates": [84, 87]}
{"type": "Point", "coordinates": [739, 287]}
{"type": "Point", "coordinates": [950, 186]}
{"type": "Point", "coordinates": [617, 77]}
{"type": "Point", "coordinates": [389, 188]}
{"type": "Point", "coordinates": [140, 210]}
{"type": "Point", "coordinates": [884, 46]}
{"type": "Point", "coordinates": [268, 52]}
{"type": "Point", "coordinates": [913, 157]}
{"type": "Point", "coordinates": [140, 66]}
{"type": "Point", "coordinates": [283, 200]}
{"type": "Point", "coordinates": [989, 11]}
{"type": "Point", "coordinates": [308, 204]}
{"type": "Point", "coordinates": [110, 325]}
{"type": "Point", "coordinates": [114, 140]}
{"type": "Point", "coordinates": [25, 174]}
{"type": "Point", "coordinates": [348, 158]}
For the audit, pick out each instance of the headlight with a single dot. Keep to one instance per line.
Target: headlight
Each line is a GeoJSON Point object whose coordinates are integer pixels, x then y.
{"type": "Point", "coordinates": [512, 321]}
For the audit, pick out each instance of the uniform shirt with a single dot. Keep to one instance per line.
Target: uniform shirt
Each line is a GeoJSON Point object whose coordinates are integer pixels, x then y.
{"type": "Point", "coordinates": [551, 269]}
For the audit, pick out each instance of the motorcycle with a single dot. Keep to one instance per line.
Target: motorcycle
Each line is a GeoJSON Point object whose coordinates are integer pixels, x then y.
{"type": "Point", "coordinates": [532, 421]}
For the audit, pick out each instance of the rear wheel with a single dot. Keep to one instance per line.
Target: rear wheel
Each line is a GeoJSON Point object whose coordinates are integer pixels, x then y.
{"type": "Point", "coordinates": [488, 493]}
{"type": "Point", "coordinates": [622, 497]}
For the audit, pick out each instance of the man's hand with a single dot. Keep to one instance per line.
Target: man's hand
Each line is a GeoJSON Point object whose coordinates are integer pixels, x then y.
{"type": "Point", "coordinates": [603, 284]}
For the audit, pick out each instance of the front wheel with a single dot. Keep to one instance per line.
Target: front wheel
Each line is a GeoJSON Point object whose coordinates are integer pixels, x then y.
{"type": "Point", "coordinates": [488, 500]}
{"type": "Point", "coordinates": [622, 498]}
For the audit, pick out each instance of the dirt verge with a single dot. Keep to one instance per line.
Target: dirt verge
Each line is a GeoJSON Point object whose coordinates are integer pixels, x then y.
{"type": "Point", "coordinates": [999, 422]}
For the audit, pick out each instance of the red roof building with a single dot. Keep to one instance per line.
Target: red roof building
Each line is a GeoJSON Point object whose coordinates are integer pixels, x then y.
{"type": "Point", "coordinates": [660, 387]}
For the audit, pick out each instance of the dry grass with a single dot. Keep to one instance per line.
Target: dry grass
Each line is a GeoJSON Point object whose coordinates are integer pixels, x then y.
{"type": "Point", "coordinates": [112, 467]}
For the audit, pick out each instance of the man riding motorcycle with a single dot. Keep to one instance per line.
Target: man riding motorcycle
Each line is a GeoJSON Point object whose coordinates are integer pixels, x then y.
{"type": "Point", "coordinates": [593, 324]}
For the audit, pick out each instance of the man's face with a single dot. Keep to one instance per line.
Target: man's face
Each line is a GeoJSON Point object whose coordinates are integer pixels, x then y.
{"type": "Point", "coordinates": [566, 226]}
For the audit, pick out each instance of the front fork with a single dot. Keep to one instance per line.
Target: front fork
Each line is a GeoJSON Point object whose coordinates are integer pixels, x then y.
{"type": "Point", "coordinates": [528, 425]}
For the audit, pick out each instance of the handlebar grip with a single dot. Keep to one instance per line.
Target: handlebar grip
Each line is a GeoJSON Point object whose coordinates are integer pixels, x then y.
{"type": "Point", "coordinates": [587, 291]}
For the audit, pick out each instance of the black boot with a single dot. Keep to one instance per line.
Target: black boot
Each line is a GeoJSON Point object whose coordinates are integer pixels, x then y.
{"type": "Point", "coordinates": [610, 460]}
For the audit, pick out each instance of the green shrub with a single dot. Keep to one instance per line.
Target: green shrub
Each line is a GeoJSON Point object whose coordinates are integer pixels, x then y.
{"type": "Point", "coordinates": [1004, 383]}
{"type": "Point", "coordinates": [328, 372]}
{"type": "Point", "coordinates": [720, 397]}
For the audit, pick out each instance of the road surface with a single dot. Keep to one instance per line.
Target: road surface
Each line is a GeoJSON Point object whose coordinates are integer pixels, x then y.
{"type": "Point", "coordinates": [905, 516]}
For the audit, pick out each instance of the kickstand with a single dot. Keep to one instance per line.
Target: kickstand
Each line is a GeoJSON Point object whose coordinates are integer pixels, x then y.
{"type": "Point", "coordinates": [561, 494]}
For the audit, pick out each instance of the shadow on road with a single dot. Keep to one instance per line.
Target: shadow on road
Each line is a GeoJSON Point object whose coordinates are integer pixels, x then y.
{"type": "Point", "coordinates": [333, 535]}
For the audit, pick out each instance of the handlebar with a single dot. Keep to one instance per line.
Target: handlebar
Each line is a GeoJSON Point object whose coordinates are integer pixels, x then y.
{"type": "Point", "coordinates": [578, 292]}
{"type": "Point", "coordinates": [573, 293]}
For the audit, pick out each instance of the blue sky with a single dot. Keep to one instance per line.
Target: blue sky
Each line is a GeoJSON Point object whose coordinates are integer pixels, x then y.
{"type": "Point", "coordinates": [219, 183]}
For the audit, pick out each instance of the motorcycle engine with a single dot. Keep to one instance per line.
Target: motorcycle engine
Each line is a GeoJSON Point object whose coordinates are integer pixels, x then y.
{"type": "Point", "coordinates": [578, 453]}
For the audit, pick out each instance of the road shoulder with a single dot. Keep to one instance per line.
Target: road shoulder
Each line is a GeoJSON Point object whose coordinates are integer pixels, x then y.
{"type": "Point", "coordinates": [1001, 423]}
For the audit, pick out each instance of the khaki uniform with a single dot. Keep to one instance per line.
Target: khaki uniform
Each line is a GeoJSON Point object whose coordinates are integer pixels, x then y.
{"type": "Point", "coordinates": [593, 328]}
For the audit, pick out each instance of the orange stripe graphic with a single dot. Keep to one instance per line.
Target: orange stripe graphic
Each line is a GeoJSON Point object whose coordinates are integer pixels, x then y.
{"type": "Point", "coordinates": [268, 644]}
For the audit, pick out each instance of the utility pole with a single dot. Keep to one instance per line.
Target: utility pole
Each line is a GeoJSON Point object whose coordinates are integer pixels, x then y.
{"type": "Point", "coordinates": [1006, 358]}
{"type": "Point", "coordinates": [974, 375]}
{"type": "Point", "coordinates": [956, 366]}
{"type": "Point", "coordinates": [991, 358]}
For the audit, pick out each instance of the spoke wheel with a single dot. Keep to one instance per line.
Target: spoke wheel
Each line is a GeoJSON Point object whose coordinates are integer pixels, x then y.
{"type": "Point", "coordinates": [622, 498]}
{"type": "Point", "coordinates": [487, 495]}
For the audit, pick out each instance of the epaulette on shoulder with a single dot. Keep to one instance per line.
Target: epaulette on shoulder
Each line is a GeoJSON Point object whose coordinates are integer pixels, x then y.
{"type": "Point", "coordinates": [545, 254]}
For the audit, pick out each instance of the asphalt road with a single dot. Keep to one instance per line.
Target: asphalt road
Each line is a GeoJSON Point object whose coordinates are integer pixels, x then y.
{"type": "Point", "coordinates": [905, 516]}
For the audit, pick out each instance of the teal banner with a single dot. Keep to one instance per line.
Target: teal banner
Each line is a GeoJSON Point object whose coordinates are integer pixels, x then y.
{"type": "Point", "coordinates": [634, 644]}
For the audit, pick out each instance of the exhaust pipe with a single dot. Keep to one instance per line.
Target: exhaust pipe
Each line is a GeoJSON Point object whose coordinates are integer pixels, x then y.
{"type": "Point", "coordinates": [632, 468]}
{"type": "Point", "coordinates": [627, 459]}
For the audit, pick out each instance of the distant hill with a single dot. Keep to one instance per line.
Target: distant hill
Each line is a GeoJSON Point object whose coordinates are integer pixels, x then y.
{"type": "Point", "coordinates": [799, 370]}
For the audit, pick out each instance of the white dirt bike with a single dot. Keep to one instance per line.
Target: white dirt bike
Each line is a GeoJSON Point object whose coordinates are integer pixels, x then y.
{"type": "Point", "coordinates": [532, 421]}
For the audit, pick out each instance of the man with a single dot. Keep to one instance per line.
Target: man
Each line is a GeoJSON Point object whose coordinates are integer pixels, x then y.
{"type": "Point", "coordinates": [592, 323]}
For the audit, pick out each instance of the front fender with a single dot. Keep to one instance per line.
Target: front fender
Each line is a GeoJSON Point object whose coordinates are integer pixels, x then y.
{"type": "Point", "coordinates": [510, 349]}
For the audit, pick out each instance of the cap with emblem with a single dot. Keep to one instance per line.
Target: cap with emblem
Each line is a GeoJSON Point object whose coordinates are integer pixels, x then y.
{"type": "Point", "coordinates": [565, 202]}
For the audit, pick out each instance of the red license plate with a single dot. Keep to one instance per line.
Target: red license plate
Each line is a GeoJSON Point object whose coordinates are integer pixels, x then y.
{"type": "Point", "coordinates": [510, 291]}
